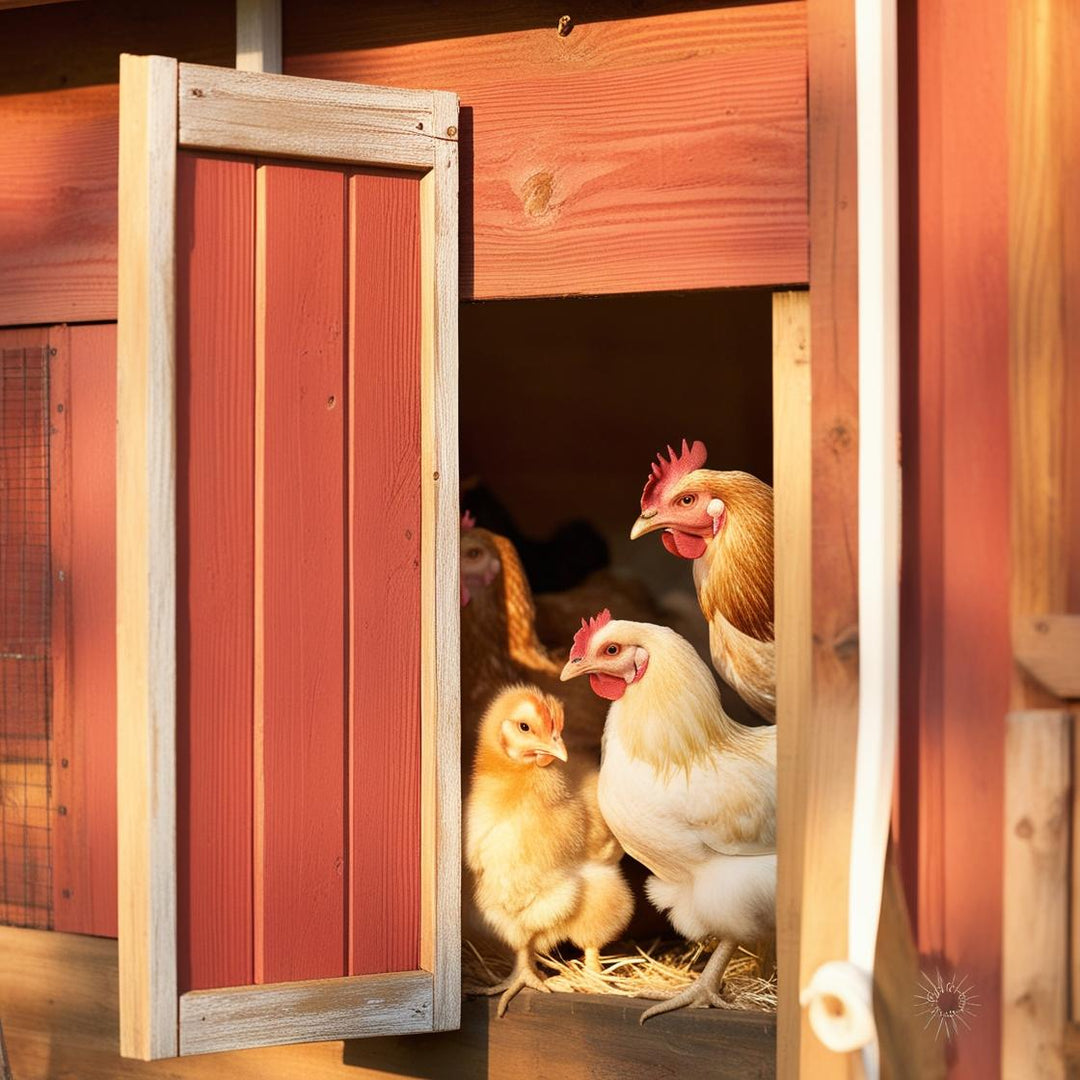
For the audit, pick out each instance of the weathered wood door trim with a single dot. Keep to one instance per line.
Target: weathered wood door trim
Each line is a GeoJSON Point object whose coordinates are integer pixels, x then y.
{"type": "Point", "coordinates": [166, 106]}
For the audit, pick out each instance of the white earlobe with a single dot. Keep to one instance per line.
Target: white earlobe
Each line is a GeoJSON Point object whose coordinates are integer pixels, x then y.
{"type": "Point", "coordinates": [715, 508]}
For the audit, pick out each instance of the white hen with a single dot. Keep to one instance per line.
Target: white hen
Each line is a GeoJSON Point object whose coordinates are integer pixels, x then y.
{"type": "Point", "coordinates": [686, 790]}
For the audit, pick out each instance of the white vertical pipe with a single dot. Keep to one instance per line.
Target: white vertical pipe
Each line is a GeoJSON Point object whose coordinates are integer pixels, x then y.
{"type": "Point", "coordinates": [879, 536]}
{"type": "Point", "coordinates": [879, 472]}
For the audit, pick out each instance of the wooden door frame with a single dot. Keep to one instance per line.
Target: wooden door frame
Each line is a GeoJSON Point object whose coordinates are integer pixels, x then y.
{"type": "Point", "coordinates": [165, 107]}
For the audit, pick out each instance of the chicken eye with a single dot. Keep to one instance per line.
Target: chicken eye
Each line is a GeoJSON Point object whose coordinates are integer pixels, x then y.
{"type": "Point", "coordinates": [523, 726]}
{"type": "Point", "coordinates": [688, 500]}
{"type": "Point", "coordinates": [612, 649]}
{"type": "Point", "coordinates": [473, 553]}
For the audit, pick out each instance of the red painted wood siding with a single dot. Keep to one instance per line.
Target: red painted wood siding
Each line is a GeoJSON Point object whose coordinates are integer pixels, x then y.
{"type": "Point", "coordinates": [956, 654]}
{"type": "Point", "coordinates": [59, 127]}
{"type": "Point", "coordinates": [658, 152]}
{"type": "Point", "coordinates": [664, 151]}
{"type": "Point", "coordinates": [384, 377]}
{"type": "Point", "coordinates": [301, 869]}
{"type": "Point", "coordinates": [215, 566]}
{"type": "Point", "coordinates": [84, 717]}
{"type": "Point", "coordinates": [299, 509]}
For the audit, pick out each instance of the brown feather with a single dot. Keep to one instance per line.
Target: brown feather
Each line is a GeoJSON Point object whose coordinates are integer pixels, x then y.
{"type": "Point", "coordinates": [739, 579]}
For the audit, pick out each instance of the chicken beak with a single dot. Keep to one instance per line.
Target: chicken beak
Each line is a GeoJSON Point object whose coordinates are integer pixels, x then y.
{"type": "Point", "coordinates": [573, 669]}
{"type": "Point", "coordinates": [555, 750]}
{"type": "Point", "coordinates": [648, 522]}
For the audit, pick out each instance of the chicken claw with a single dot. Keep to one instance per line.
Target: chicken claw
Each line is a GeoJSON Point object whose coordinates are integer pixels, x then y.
{"type": "Point", "coordinates": [703, 992]}
{"type": "Point", "coordinates": [524, 974]}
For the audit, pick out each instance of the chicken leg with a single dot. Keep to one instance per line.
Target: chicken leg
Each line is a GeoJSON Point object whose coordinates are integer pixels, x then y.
{"type": "Point", "coordinates": [524, 974]}
{"type": "Point", "coordinates": [701, 993]}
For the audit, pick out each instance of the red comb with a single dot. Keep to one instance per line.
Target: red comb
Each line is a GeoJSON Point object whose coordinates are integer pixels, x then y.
{"type": "Point", "coordinates": [468, 521]}
{"type": "Point", "coordinates": [671, 471]}
{"type": "Point", "coordinates": [582, 637]}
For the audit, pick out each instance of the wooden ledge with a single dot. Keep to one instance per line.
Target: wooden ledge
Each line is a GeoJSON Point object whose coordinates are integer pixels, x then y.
{"type": "Point", "coordinates": [578, 1037]}
{"type": "Point", "coordinates": [1048, 648]}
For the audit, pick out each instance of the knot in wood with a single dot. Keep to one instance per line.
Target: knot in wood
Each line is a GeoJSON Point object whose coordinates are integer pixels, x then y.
{"type": "Point", "coordinates": [1025, 829]}
{"type": "Point", "coordinates": [536, 194]}
{"type": "Point", "coordinates": [846, 644]}
{"type": "Point", "coordinates": [840, 435]}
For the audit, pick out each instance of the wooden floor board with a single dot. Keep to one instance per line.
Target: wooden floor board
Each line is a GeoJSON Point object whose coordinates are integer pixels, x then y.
{"type": "Point", "coordinates": [58, 1000]}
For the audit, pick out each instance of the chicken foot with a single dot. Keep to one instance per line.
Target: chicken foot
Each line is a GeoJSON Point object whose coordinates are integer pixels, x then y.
{"type": "Point", "coordinates": [524, 974]}
{"type": "Point", "coordinates": [703, 992]}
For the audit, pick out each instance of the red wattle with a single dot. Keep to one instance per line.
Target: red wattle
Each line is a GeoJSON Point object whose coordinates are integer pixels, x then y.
{"type": "Point", "coordinates": [609, 687]}
{"type": "Point", "coordinates": [685, 545]}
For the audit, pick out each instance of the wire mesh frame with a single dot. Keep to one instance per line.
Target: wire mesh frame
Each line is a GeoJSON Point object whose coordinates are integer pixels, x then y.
{"type": "Point", "coordinates": [25, 636]}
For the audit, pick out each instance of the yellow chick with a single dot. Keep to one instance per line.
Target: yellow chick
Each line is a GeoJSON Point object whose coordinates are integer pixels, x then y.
{"type": "Point", "coordinates": [544, 863]}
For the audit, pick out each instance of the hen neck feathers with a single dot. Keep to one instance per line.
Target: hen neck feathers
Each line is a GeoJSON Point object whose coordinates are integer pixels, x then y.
{"type": "Point", "coordinates": [673, 718]}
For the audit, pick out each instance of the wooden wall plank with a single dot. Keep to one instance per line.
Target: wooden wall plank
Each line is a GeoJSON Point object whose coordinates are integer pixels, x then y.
{"type": "Point", "coordinates": [316, 120]}
{"type": "Point", "coordinates": [440, 682]}
{"type": "Point", "coordinates": [1069, 92]}
{"type": "Point", "coordinates": [146, 558]}
{"type": "Point", "coordinates": [956, 484]}
{"type": "Point", "coordinates": [791, 482]}
{"type": "Point", "coordinates": [632, 154]}
{"type": "Point", "coordinates": [732, 164]}
{"type": "Point", "coordinates": [975, 413]}
{"type": "Point", "coordinates": [1048, 648]}
{"type": "Point", "coordinates": [215, 569]}
{"type": "Point", "coordinates": [1036, 838]}
{"type": "Point", "coordinates": [58, 205]}
{"type": "Point", "coordinates": [1039, 188]}
{"type": "Point", "coordinates": [832, 633]}
{"type": "Point", "coordinates": [388, 1004]}
{"type": "Point", "coordinates": [1042, 234]}
{"type": "Point", "coordinates": [84, 730]}
{"type": "Point", "coordinates": [59, 144]}
{"type": "Point", "coordinates": [384, 589]}
{"type": "Point", "coordinates": [301, 570]}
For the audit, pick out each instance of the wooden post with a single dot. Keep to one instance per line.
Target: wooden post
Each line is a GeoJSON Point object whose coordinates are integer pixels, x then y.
{"type": "Point", "coordinates": [258, 36]}
{"type": "Point", "coordinates": [146, 559]}
{"type": "Point", "coordinates": [1037, 811]}
{"type": "Point", "coordinates": [831, 723]}
{"type": "Point", "coordinates": [1042, 228]}
{"type": "Point", "coordinates": [791, 484]}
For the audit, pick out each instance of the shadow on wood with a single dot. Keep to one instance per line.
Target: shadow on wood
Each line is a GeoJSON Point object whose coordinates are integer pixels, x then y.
{"type": "Point", "coordinates": [580, 1037]}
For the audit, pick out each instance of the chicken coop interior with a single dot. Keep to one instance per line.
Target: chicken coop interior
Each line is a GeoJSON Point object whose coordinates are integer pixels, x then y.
{"type": "Point", "coordinates": [564, 404]}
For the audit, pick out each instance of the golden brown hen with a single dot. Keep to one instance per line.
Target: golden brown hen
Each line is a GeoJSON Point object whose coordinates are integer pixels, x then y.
{"type": "Point", "coordinates": [723, 521]}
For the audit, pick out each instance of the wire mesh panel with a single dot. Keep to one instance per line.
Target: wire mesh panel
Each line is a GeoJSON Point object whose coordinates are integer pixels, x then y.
{"type": "Point", "coordinates": [25, 622]}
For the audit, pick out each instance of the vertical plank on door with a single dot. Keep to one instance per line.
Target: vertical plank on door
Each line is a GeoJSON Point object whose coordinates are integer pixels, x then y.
{"type": "Point", "coordinates": [300, 837]}
{"type": "Point", "coordinates": [215, 565]}
{"type": "Point", "coordinates": [83, 408]}
{"type": "Point", "coordinates": [384, 708]}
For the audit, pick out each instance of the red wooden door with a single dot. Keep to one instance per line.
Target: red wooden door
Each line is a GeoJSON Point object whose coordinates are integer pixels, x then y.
{"type": "Point", "coordinates": [303, 750]}
{"type": "Point", "coordinates": [299, 571]}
